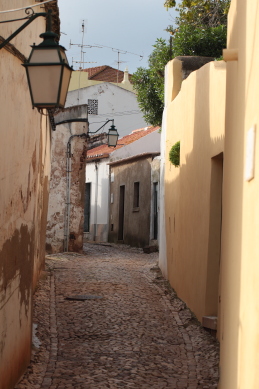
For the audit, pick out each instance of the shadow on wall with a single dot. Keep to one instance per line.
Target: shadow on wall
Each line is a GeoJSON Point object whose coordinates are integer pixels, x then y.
{"type": "Point", "coordinates": [193, 212]}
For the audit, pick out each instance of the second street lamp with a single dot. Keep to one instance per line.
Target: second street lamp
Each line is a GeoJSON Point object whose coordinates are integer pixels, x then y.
{"type": "Point", "coordinates": [112, 136]}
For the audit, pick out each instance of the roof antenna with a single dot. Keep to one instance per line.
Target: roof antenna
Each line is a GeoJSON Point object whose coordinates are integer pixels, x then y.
{"type": "Point", "coordinates": [81, 62]}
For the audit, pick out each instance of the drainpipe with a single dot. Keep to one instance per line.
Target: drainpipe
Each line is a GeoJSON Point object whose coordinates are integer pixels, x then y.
{"type": "Point", "coordinates": [68, 202]}
{"type": "Point", "coordinates": [96, 199]}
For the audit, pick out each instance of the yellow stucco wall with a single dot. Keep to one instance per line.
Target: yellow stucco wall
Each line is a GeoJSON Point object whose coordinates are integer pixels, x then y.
{"type": "Point", "coordinates": [239, 335]}
{"type": "Point", "coordinates": [195, 117]}
{"type": "Point", "coordinates": [80, 80]}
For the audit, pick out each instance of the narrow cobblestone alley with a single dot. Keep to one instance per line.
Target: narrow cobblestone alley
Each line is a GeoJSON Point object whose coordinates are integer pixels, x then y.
{"type": "Point", "coordinates": [128, 331]}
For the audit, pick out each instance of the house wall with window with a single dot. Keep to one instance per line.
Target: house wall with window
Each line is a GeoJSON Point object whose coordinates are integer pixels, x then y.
{"type": "Point", "coordinates": [98, 177]}
{"type": "Point", "coordinates": [130, 207]}
{"type": "Point", "coordinates": [109, 101]}
{"type": "Point", "coordinates": [24, 176]}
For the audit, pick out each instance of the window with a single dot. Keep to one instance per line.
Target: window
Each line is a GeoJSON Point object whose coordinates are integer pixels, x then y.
{"type": "Point", "coordinates": [92, 107]}
{"type": "Point", "coordinates": [136, 195]}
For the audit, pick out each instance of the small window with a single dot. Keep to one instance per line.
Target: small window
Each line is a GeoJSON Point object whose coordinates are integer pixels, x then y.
{"type": "Point", "coordinates": [92, 107]}
{"type": "Point", "coordinates": [136, 195]}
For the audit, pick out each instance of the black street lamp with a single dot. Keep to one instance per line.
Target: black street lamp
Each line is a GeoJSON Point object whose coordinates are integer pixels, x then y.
{"type": "Point", "coordinates": [48, 73]}
{"type": "Point", "coordinates": [47, 68]}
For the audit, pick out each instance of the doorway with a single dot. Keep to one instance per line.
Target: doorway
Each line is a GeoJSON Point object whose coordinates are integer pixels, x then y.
{"type": "Point", "coordinates": [87, 207]}
{"type": "Point", "coordinates": [155, 210]}
{"type": "Point", "coordinates": [121, 212]}
{"type": "Point", "coordinates": [214, 243]}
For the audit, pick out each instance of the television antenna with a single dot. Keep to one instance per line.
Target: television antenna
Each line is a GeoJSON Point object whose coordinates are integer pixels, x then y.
{"type": "Point", "coordinates": [119, 52]}
{"type": "Point", "coordinates": [81, 62]}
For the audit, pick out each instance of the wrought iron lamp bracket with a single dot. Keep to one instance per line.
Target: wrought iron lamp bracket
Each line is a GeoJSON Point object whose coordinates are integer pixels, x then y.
{"type": "Point", "coordinates": [31, 16]}
{"type": "Point", "coordinates": [108, 120]}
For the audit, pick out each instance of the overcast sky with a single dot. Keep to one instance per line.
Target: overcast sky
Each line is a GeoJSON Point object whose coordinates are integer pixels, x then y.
{"type": "Point", "coordinates": [132, 26]}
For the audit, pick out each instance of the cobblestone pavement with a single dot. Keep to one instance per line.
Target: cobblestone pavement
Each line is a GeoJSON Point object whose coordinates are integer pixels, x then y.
{"type": "Point", "coordinates": [131, 332]}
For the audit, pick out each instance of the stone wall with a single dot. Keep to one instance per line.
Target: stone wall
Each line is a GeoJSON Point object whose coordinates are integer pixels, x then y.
{"type": "Point", "coordinates": [67, 184]}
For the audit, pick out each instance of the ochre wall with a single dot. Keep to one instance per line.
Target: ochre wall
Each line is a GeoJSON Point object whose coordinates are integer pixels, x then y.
{"type": "Point", "coordinates": [24, 174]}
{"type": "Point", "coordinates": [195, 114]}
{"type": "Point", "coordinates": [80, 80]}
{"type": "Point", "coordinates": [239, 335]}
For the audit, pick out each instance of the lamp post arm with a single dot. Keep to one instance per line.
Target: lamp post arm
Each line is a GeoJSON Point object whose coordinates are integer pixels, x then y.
{"type": "Point", "coordinates": [23, 26]}
{"type": "Point", "coordinates": [94, 132]}
{"type": "Point", "coordinates": [72, 121]}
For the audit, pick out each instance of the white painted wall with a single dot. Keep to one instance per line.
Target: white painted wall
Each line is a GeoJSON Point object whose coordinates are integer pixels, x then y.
{"type": "Point", "coordinates": [97, 173]}
{"type": "Point", "coordinates": [147, 144]}
{"type": "Point", "coordinates": [162, 235]}
{"type": "Point", "coordinates": [114, 102]}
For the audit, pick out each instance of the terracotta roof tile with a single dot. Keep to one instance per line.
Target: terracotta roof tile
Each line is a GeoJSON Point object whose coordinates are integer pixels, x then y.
{"type": "Point", "coordinates": [103, 151]}
{"type": "Point", "coordinates": [105, 73]}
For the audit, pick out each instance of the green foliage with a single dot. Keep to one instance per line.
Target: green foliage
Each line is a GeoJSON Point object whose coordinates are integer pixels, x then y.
{"type": "Point", "coordinates": [174, 154]}
{"type": "Point", "coordinates": [200, 30]}
{"type": "Point", "coordinates": [201, 13]}
{"type": "Point", "coordinates": [169, 3]}
{"type": "Point", "coordinates": [149, 83]}
{"type": "Point", "coordinates": [148, 98]}
{"type": "Point", "coordinates": [207, 42]}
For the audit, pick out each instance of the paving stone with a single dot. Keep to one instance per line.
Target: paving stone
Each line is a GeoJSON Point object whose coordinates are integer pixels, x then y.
{"type": "Point", "coordinates": [139, 335]}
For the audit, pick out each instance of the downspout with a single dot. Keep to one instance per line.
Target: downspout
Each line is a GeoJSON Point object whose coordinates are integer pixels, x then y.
{"type": "Point", "coordinates": [96, 199]}
{"type": "Point", "coordinates": [68, 202]}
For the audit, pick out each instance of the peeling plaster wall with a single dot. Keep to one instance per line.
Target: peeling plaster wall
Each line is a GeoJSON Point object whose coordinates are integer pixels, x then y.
{"type": "Point", "coordinates": [24, 176]}
{"type": "Point", "coordinates": [58, 212]}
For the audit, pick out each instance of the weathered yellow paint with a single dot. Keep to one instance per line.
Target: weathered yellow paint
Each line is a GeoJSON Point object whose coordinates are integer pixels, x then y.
{"type": "Point", "coordinates": [80, 80]}
{"type": "Point", "coordinates": [199, 116]}
{"type": "Point", "coordinates": [239, 322]}
{"type": "Point", "coordinates": [195, 117]}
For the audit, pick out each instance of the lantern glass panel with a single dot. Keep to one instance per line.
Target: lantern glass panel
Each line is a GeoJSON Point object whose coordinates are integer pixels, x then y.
{"type": "Point", "coordinates": [63, 56]}
{"type": "Point", "coordinates": [65, 84]}
{"type": "Point", "coordinates": [44, 56]}
{"type": "Point", "coordinates": [44, 83]}
{"type": "Point", "coordinates": [112, 138]}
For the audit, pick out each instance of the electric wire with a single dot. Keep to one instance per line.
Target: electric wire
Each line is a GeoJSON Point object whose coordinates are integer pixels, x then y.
{"type": "Point", "coordinates": [117, 113]}
{"type": "Point", "coordinates": [28, 6]}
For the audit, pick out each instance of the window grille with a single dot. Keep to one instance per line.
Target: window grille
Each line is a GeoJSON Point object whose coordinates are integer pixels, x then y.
{"type": "Point", "coordinates": [92, 107]}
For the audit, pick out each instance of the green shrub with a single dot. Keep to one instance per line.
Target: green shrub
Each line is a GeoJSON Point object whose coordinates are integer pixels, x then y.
{"type": "Point", "coordinates": [174, 154]}
{"type": "Point", "coordinates": [207, 42]}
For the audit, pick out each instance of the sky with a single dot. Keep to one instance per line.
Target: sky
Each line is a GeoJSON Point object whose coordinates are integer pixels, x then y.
{"type": "Point", "coordinates": [131, 27]}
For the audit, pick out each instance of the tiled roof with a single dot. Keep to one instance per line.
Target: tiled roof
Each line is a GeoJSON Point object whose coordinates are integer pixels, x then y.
{"type": "Point", "coordinates": [133, 157]}
{"type": "Point", "coordinates": [103, 151]}
{"type": "Point", "coordinates": [105, 73]}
